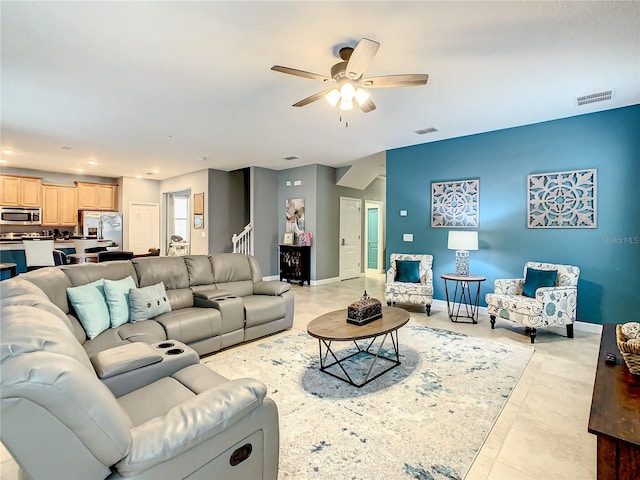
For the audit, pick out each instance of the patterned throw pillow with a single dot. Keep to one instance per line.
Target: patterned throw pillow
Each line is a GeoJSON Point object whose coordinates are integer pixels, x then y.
{"type": "Point", "coordinates": [148, 302]}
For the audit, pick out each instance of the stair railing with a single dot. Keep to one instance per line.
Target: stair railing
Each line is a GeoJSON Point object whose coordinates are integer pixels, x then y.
{"type": "Point", "coordinates": [242, 241]}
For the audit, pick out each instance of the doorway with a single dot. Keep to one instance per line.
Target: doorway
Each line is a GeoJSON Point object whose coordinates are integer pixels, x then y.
{"type": "Point", "coordinates": [374, 237]}
{"type": "Point", "coordinates": [177, 219]}
{"type": "Point", "coordinates": [144, 229]}
{"type": "Point", "coordinates": [350, 237]}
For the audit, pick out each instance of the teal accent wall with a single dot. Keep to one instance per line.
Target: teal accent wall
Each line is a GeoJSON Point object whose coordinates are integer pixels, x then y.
{"type": "Point", "coordinates": [608, 256]}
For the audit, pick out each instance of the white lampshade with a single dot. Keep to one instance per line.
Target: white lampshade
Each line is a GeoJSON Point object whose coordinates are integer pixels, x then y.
{"type": "Point", "coordinates": [346, 104]}
{"type": "Point", "coordinates": [347, 91]}
{"type": "Point", "coordinates": [463, 240]}
{"type": "Point", "coordinates": [333, 97]}
{"type": "Point", "coordinates": [361, 96]}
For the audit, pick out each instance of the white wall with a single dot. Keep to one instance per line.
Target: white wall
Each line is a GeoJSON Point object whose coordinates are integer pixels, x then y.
{"type": "Point", "coordinates": [136, 190]}
{"type": "Point", "coordinates": [197, 182]}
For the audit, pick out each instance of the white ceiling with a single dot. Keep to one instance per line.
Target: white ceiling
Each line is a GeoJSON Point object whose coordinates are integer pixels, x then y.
{"type": "Point", "coordinates": [111, 80]}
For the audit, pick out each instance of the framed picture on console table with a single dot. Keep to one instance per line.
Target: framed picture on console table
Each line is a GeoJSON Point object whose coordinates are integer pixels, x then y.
{"type": "Point", "coordinates": [287, 238]}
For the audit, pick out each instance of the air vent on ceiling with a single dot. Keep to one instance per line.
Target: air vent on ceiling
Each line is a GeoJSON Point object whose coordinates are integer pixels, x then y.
{"type": "Point", "coordinates": [595, 97]}
{"type": "Point", "coordinates": [290, 157]}
{"type": "Point", "coordinates": [426, 130]}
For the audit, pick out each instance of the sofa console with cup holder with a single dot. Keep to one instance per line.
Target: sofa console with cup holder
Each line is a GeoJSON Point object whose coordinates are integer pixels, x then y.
{"type": "Point", "coordinates": [100, 373]}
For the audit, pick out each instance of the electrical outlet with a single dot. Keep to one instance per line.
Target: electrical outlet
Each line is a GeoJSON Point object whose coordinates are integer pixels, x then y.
{"type": "Point", "coordinates": [407, 237]}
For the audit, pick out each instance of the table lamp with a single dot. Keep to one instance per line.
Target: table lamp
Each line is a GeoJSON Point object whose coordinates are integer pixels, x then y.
{"type": "Point", "coordinates": [462, 242]}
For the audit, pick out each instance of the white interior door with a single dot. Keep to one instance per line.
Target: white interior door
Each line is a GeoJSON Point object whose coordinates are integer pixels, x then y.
{"type": "Point", "coordinates": [350, 237]}
{"type": "Point", "coordinates": [144, 227]}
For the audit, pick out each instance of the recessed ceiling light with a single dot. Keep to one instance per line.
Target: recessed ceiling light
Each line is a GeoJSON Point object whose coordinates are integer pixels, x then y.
{"type": "Point", "coordinates": [79, 170]}
{"type": "Point", "coordinates": [92, 162]}
{"type": "Point", "coordinates": [155, 171]}
{"type": "Point", "coordinates": [138, 176]}
{"type": "Point", "coordinates": [202, 158]}
{"type": "Point", "coordinates": [168, 137]}
{"type": "Point", "coordinates": [6, 150]}
{"type": "Point", "coordinates": [3, 161]}
{"type": "Point", "coordinates": [291, 157]}
{"type": "Point", "coordinates": [65, 148]}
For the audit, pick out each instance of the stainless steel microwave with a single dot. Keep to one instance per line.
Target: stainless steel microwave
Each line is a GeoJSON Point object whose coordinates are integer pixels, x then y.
{"type": "Point", "coordinates": [20, 216]}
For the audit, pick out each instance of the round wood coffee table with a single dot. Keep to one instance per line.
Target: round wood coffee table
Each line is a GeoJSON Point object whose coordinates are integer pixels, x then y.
{"type": "Point", "coordinates": [333, 327]}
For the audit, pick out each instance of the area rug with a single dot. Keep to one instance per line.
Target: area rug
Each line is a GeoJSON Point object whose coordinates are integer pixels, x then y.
{"type": "Point", "coordinates": [425, 419]}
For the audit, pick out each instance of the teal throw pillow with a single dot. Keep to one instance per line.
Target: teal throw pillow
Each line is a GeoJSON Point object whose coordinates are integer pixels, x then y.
{"type": "Point", "coordinates": [536, 279]}
{"type": "Point", "coordinates": [148, 302]}
{"type": "Point", "coordinates": [408, 271]}
{"type": "Point", "coordinates": [90, 305]}
{"type": "Point", "coordinates": [117, 295]}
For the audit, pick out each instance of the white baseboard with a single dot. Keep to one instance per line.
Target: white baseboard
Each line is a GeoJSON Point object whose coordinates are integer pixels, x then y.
{"type": "Point", "coordinates": [271, 277]}
{"type": "Point", "coordinates": [587, 327]}
{"type": "Point", "coordinates": [324, 281]}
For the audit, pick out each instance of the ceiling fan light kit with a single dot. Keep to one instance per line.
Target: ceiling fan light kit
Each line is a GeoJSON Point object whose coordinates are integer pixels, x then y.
{"type": "Point", "coordinates": [348, 77]}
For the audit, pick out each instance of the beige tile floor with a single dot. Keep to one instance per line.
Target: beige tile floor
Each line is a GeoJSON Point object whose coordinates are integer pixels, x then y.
{"type": "Point", "coordinates": [541, 433]}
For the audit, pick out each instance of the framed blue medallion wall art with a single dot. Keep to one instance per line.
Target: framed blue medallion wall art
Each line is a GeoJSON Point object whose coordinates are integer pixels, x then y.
{"type": "Point", "coordinates": [562, 199]}
{"type": "Point", "coordinates": [455, 204]}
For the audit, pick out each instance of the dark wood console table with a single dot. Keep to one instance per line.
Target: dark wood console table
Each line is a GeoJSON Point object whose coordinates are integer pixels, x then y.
{"type": "Point", "coordinates": [615, 414]}
{"type": "Point", "coordinates": [295, 263]}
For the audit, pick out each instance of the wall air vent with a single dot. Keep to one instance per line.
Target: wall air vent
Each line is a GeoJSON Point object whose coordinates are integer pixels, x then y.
{"type": "Point", "coordinates": [290, 157]}
{"type": "Point", "coordinates": [426, 130]}
{"type": "Point", "coordinates": [595, 97]}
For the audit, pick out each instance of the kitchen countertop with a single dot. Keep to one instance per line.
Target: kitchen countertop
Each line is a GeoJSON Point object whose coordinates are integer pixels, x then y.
{"type": "Point", "coordinates": [17, 244]}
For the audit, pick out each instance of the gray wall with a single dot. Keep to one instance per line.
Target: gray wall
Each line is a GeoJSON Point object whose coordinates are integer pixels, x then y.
{"type": "Point", "coordinates": [307, 190]}
{"type": "Point", "coordinates": [264, 215]}
{"type": "Point", "coordinates": [226, 208]}
{"type": "Point", "coordinates": [322, 212]}
{"type": "Point", "coordinates": [375, 191]}
{"type": "Point", "coordinates": [328, 234]}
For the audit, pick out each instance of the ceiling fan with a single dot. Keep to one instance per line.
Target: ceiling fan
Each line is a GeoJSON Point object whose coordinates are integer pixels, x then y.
{"type": "Point", "coordinates": [346, 83]}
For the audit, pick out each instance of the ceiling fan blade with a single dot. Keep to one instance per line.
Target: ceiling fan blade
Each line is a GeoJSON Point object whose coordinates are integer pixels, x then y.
{"type": "Point", "coordinates": [367, 106]}
{"type": "Point", "coordinates": [312, 98]}
{"type": "Point", "coordinates": [390, 81]}
{"type": "Point", "coordinates": [301, 73]}
{"type": "Point", "coordinates": [361, 58]}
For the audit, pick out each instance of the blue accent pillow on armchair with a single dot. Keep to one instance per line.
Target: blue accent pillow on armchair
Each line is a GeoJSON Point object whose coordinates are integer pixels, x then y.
{"type": "Point", "coordinates": [536, 279]}
{"type": "Point", "coordinates": [408, 271]}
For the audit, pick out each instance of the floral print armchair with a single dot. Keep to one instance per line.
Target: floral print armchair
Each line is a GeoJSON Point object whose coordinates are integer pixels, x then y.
{"type": "Point", "coordinates": [552, 306]}
{"type": "Point", "coordinates": [413, 293]}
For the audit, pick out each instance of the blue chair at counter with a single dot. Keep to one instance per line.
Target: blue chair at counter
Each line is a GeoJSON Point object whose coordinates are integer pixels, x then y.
{"type": "Point", "coordinates": [60, 258]}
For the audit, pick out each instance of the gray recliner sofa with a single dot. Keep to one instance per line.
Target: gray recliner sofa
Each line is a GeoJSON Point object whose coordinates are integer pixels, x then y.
{"type": "Point", "coordinates": [181, 420]}
{"type": "Point", "coordinates": [216, 301]}
{"type": "Point", "coordinates": [134, 402]}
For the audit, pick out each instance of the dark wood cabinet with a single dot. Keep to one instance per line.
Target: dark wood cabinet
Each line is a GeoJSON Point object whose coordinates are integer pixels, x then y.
{"type": "Point", "coordinates": [615, 414]}
{"type": "Point", "coordinates": [295, 264]}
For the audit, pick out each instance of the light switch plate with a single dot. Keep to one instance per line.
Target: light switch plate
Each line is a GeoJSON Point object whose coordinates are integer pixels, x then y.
{"type": "Point", "coordinates": [287, 183]}
{"type": "Point", "coordinates": [407, 237]}
{"type": "Point", "coordinates": [403, 213]}
{"type": "Point", "coordinates": [297, 183]}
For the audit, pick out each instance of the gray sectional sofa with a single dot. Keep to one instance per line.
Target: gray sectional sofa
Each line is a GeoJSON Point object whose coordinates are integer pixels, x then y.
{"type": "Point", "coordinates": [134, 401]}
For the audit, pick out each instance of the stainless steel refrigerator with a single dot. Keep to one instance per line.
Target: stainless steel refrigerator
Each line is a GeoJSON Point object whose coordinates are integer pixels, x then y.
{"type": "Point", "coordinates": [103, 225]}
